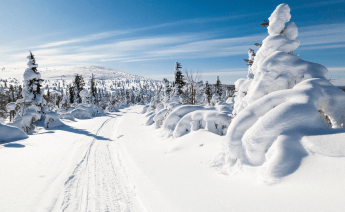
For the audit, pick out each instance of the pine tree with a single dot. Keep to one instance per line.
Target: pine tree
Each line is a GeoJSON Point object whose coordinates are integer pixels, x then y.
{"type": "Point", "coordinates": [208, 92]}
{"type": "Point", "coordinates": [71, 90]}
{"type": "Point", "coordinates": [93, 89]}
{"type": "Point", "coordinates": [179, 81]}
{"type": "Point", "coordinates": [78, 85]}
{"type": "Point", "coordinates": [251, 55]}
{"type": "Point", "coordinates": [32, 82]}
{"type": "Point", "coordinates": [218, 88]}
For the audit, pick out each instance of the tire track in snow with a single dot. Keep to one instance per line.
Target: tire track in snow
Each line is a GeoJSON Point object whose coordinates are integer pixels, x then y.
{"type": "Point", "coordinates": [99, 182]}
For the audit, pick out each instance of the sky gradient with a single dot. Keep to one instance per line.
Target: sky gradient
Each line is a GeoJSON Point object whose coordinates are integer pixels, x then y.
{"type": "Point", "coordinates": [147, 37]}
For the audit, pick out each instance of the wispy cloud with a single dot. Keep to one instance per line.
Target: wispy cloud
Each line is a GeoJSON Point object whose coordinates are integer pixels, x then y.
{"type": "Point", "coordinates": [162, 47]}
{"type": "Point", "coordinates": [336, 69]}
{"type": "Point", "coordinates": [88, 38]}
{"type": "Point", "coordinates": [318, 4]}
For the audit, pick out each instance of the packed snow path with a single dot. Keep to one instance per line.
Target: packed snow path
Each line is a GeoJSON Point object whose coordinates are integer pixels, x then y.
{"type": "Point", "coordinates": [76, 167]}
{"type": "Point", "coordinates": [98, 183]}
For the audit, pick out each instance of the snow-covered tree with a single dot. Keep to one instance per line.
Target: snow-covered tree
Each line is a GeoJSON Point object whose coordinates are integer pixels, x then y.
{"type": "Point", "coordinates": [208, 92]}
{"type": "Point", "coordinates": [32, 83]}
{"type": "Point", "coordinates": [178, 78]}
{"type": "Point", "coordinates": [93, 89]}
{"type": "Point", "coordinates": [218, 89]}
{"type": "Point", "coordinates": [78, 85]}
{"type": "Point", "coordinates": [287, 100]}
{"type": "Point", "coordinates": [281, 38]}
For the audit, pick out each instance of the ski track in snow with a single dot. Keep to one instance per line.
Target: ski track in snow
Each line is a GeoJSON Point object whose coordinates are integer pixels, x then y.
{"type": "Point", "coordinates": [99, 182]}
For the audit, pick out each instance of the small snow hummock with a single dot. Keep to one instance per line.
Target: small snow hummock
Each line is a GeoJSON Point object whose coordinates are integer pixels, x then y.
{"type": "Point", "coordinates": [52, 120]}
{"type": "Point", "coordinates": [212, 121]}
{"type": "Point", "coordinates": [8, 133]}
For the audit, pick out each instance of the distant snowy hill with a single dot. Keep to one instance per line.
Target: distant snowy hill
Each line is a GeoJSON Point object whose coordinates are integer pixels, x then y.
{"type": "Point", "coordinates": [68, 73]}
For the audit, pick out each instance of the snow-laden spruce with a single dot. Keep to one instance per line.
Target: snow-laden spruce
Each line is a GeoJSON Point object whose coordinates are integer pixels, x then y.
{"type": "Point", "coordinates": [287, 100]}
{"type": "Point", "coordinates": [281, 40]}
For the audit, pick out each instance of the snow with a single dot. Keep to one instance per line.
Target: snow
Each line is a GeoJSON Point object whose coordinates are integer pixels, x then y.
{"type": "Point", "coordinates": [152, 173]}
{"type": "Point", "coordinates": [174, 117]}
{"type": "Point", "coordinates": [277, 146]}
{"type": "Point", "coordinates": [66, 116]}
{"type": "Point", "coordinates": [69, 72]}
{"type": "Point", "coordinates": [212, 121]}
{"type": "Point", "coordinates": [158, 118]}
{"type": "Point", "coordinates": [81, 114]}
{"type": "Point", "coordinates": [291, 31]}
{"type": "Point", "coordinates": [278, 18]}
{"type": "Point", "coordinates": [29, 74]}
{"type": "Point", "coordinates": [10, 133]}
{"type": "Point", "coordinates": [52, 120]}
{"type": "Point", "coordinates": [11, 106]}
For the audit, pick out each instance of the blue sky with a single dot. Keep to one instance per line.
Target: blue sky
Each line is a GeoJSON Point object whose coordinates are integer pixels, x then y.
{"type": "Point", "coordinates": [147, 37]}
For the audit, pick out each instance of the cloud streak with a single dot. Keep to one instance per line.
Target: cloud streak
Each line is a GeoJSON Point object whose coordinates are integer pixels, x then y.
{"type": "Point", "coordinates": [162, 47]}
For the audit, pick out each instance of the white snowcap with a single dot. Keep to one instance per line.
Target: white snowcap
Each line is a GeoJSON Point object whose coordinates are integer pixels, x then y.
{"type": "Point", "coordinates": [291, 31]}
{"type": "Point", "coordinates": [29, 74]}
{"type": "Point", "coordinates": [277, 20]}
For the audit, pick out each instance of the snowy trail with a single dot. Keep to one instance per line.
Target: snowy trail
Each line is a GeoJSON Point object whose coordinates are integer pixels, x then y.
{"type": "Point", "coordinates": [99, 181]}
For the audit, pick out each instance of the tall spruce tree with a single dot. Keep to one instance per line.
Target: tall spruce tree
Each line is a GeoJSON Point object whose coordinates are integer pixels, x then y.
{"type": "Point", "coordinates": [218, 88]}
{"type": "Point", "coordinates": [93, 89]}
{"type": "Point", "coordinates": [78, 85]}
{"type": "Point", "coordinates": [208, 92]}
{"type": "Point", "coordinates": [71, 91]}
{"type": "Point", "coordinates": [179, 81]}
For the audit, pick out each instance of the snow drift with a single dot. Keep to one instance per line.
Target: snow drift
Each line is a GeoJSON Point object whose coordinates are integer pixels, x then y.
{"type": "Point", "coordinates": [11, 133]}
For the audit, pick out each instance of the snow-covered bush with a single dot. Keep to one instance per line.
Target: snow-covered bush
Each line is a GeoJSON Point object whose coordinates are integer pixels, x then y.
{"type": "Point", "coordinates": [81, 114]}
{"type": "Point", "coordinates": [175, 116]}
{"type": "Point", "coordinates": [150, 119]}
{"type": "Point", "coordinates": [26, 121]}
{"type": "Point", "coordinates": [282, 105]}
{"type": "Point", "coordinates": [223, 107]}
{"type": "Point", "coordinates": [66, 116]}
{"type": "Point", "coordinates": [52, 120]}
{"type": "Point", "coordinates": [212, 121]}
{"type": "Point", "coordinates": [10, 133]}
{"type": "Point", "coordinates": [158, 118]}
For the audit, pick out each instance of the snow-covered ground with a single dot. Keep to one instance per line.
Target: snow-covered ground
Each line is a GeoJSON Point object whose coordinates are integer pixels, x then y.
{"type": "Point", "coordinates": [117, 163]}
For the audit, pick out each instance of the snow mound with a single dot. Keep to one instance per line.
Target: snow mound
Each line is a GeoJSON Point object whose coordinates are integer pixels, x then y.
{"type": "Point", "coordinates": [11, 133]}
{"type": "Point", "coordinates": [159, 117]}
{"type": "Point", "coordinates": [66, 116]}
{"type": "Point", "coordinates": [212, 121]}
{"type": "Point", "coordinates": [175, 116]}
{"type": "Point", "coordinates": [81, 113]}
{"type": "Point", "coordinates": [150, 119]}
{"type": "Point", "coordinates": [52, 120]}
{"type": "Point", "coordinates": [223, 107]}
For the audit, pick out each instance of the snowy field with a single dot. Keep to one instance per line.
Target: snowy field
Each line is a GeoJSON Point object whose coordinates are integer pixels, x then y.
{"type": "Point", "coordinates": [117, 163]}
